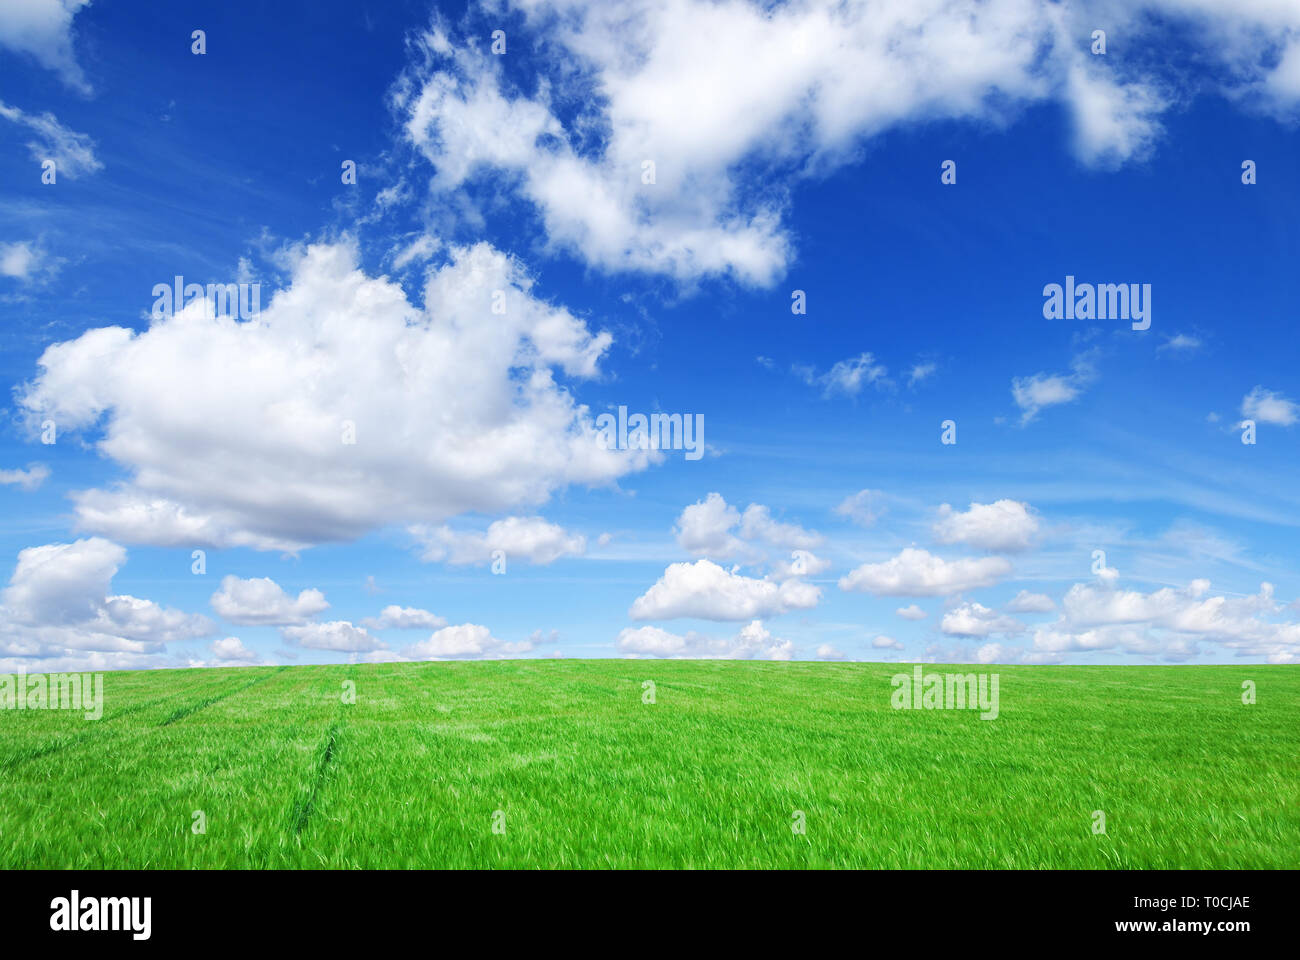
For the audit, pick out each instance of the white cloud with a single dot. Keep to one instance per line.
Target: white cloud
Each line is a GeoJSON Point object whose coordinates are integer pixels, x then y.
{"type": "Point", "coordinates": [1181, 342]}
{"type": "Point", "coordinates": [911, 612]}
{"type": "Point", "coordinates": [1005, 525]}
{"type": "Point", "coordinates": [920, 372]}
{"type": "Point", "coordinates": [73, 153]}
{"type": "Point", "coordinates": [232, 650]}
{"type": "Point", "coordinates": [846, 376]}
{"type": "Point", "coordinates": [43, 29]}
{"type": "Point", "coordinates": [19, 260]}
{"type": "Point", "coordinates": [1168, 623]}
{"type": "Point", "coordinates": [519, 538]}
{"type": "Point", "coordinates": [394, 617]}
{"type": "Point", "coordinates": [989, 653]}
{"type": "Point", "coordinates": [1267, 406]}
{"type": "Point", "coordinates": [338, 636]}
{"type": "Point", "coordinates": [864, 507]}
{"type": "Point", "coordinates": [233, 431]}
{"type": "Point", "coordinates": [57, 613]}
{"type": "Point", "coordinates": [882, 642]}
{"type": "Point", "coordinates": [827, 652]}
{"type": "Point", "coordinates": [794, 90]}
{"type": "Point", "coordinates": [707, 591]}
{"type": "Point", "coordinates": [802, 563]}
{"type": "Point", "coordinates": [262, 601]}
{"type": "Point", "coordinates": [1026, 602]}
{"type": "Point", "coordinates": [29, 479]}
{"type": "Point", "coordinates": [1042, 390]}
{"type": "Point", "coordinates": [1113, 122]}
{"type": "Point", "coordinates": [706, 528]}
{"type": "Point", "coordinates": [918, 573]}
{"type": "Point", "coordinates": [753, 641]}
{"type": "Point", "coordinates": [464, 641]}
{"type": "Point", "coordinates": [756, 523]}
{"type": "Point", "coordinates": [977, 620]}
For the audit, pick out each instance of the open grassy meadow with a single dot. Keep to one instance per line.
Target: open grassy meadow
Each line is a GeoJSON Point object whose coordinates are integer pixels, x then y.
{"type": "Point", "coordinates": [560, 763]}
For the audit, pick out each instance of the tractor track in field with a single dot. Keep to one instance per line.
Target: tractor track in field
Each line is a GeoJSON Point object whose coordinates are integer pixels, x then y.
{"type": "Point", "coordinates": [53, 746]}
{"type": "Point", "coordinates": [182, 712]}
{"type": "Point", "coordinates": [300, 813]}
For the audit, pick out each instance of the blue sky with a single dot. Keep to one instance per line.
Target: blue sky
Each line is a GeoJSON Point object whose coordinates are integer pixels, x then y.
{"type": "Point", "coordinates": [797, 148]}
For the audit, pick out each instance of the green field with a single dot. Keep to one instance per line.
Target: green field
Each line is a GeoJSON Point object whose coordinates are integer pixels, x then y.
{"type": "Point", "coordinates": [587, 775]}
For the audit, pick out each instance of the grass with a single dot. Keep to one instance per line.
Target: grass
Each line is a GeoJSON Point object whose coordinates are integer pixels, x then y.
{"type": "Point", "coordinates": [585, 774]}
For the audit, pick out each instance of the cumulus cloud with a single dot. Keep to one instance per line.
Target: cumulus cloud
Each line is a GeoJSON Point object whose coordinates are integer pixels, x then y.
{"type": "Point", "coordinates": [58, 613]}
{"type": "Point", "coordinates": [234, 432]}
{"type": "Point", "coordinates": [712, 527]}
{"type": "Point", "coordinates": [882, 642]}
{"type": "Point", "coordinates": [394, 617]}
{"type": "Point", "coordinates": [707, 591]}
{"type": "Point", "coordinates": [756, 523]}
{"type": "Point", "coordinates": [1267, 406]}
{"type": "Point", "coordinates": [262, 601]}
{"type": "Point", "coordinates": [231, 651]}
{"type": "Point", "coordinates": [338, 636]}
{"type": "Point", "coordinates": [1168, 623]}
{"type": "Point", "coordinates": [977, 620]}
{"type": "Point", "coordinates": [863, 508]}
{"type": "Point", "coordinates": [911, 612]}
{"type": "Point", "coordinates": [802, 563]}
{"type": "Point", "coordinates": [918, 573]}
{"type": "Point", "coordinates": [1035, 393]}
{"type": "Point", "coordinates": [42, 29]}
{"type": "Point", "coordinates": [25, 261]}
{"type": "Point", "coordinates": [795, 90]}
{"type": "Point", "coordinates": [753, 641]}
{"type": "Point", "coordinates": [1005, 525]}
{"type": "Point", "coordinates": [73, 153]}
{"type": "Point", "coordinates": [1026, 602]}
{"type": "Point", "coordinates": [29, 479]}
{"type": "Point", "coordinates": [464, 641]}
{"type": "Point", "coordinates": [519, 538]}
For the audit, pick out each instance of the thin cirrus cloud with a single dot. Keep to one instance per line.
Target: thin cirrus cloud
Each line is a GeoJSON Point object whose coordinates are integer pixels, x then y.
{"type": "Point", "coordinates": [73, 153]}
